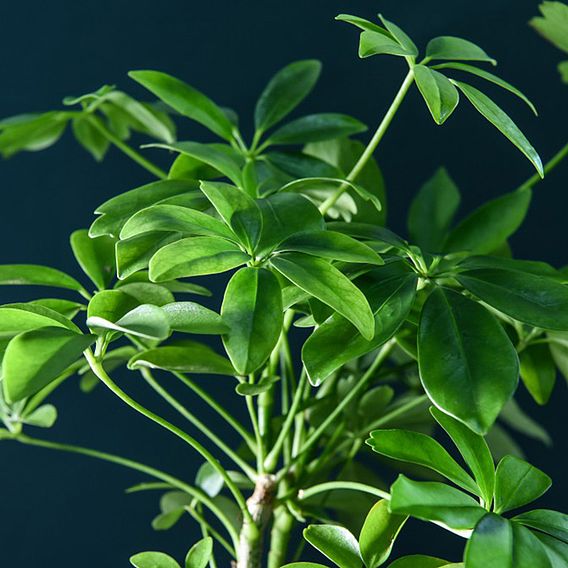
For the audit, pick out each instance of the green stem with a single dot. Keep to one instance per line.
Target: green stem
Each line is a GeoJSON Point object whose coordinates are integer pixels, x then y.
{"type": "Point", "coordinates": [245, 467]}
{"type": "Point", "coordinates": [130, 152]}
{"type": "Point", "coordinates": [99, 371]}
{"type": "Point", "coordinates": [548, 167]}
{"type": "Point", "coordinates": [197, 494]}
{"type": "Point", "coordinates": [373, 143]}
{"type": "Point", "coordinates": [280, 537]}
{"type": "Point", "coordinates": [343, 485]}
{"type": "Point", "coordinates": [197, 515]}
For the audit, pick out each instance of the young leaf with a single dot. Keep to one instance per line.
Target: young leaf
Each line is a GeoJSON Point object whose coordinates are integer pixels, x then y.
{"type": "Point", "coordinates": [35, 275]}
{"type": "Point", "coordinates": [518, 483]}
{"type": "Point", "coordinates": [186, 357]}
{"type": "Point", "coordinates": [491, 543]}
{"type": "Point", "coordinates": [553, 24]}
{"type": "Point", "coordinates": [317, 127]}
{"type": "Point", "coordinates": [35, 358]}
{"type": "Point", "coordinates": [189, 317]}
{"type": "Point", "coordinates": [439, 93]}
{"type": "Point", "coordinates": [95, 256]}
{"type": "Point", "coordinates": [252, 308]}
{"type": "Point", "coordinates": [414, 447]}
{"type": "Point", "coordinates": [491, 225]}
{"type": "Point", "coordinates": [474, 451]}
{"type": "Point", "coordinates": [483, 364]}
{"type": "Point", "coordinates": [449, 47]}
{"type": "Point", "coordinates": [437, 502]}
{"type": "Point", "coordinates": [284, 92]}
{"type": "Point", "coordinates": [378, 534]}
{"type": "Point", "coordinates": [199, 554]}
{"type": "Point", "coordinates": [186, 100]}
{"type": "Point", "coordinates": [361, 23]}
{"type": "Point", "coordinates": [375, 43]}
{"type": "Point", "coordinates": [250, 389]}
{"type": "Point", "coordinates": [89, 136]}
{"type": "Point", "coordinates": [553, 523]}
{"type": "Point", "coordinates": [538, 372]}
{"type": "Point", "coordinates": [496, 116]}
{"type": "Point", "coordinates": [42, 417]}
{"type": "Point", "coordinates": [153, 560]}
{"type": "Point", "coordinates": [195, 256]}
{"type": "Point", "coordinates": [399, 35]}
{"type": "Point", "coordinates": [326, 283]}
{"type": "Point", "coordinates": [336, 543]}
{"type": "Point", "coordinates": [209, 480]}
{"type": "Point", "coordinates": [432, 211]}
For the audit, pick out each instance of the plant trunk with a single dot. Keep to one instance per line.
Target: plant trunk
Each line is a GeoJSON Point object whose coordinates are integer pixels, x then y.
{"type": "Point", "coordinates": [259, 504]}
{"type": "Point", "coordinates": [280, 537]}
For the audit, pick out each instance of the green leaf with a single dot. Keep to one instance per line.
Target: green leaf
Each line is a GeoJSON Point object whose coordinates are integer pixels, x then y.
{"type": "Point", "coordinates": [35, 358]}
{"type": "Point", "coordinates": [111, 305]}
{"type": "Point", "coordinates": [458, 338]}
{"type": "Point", "coordinates": [489, 226]}
{"type": "Point", "coordinates": [419, 561]}
{"type": "Point", "coordinates": [550, 522]}
{"type": "Point", "coordinates": [361, 23]}
{"type": "Point", "coordinates": [153, 560]}
{"type": "Point", "coordinates": [491, 543]}
{"type": "Point", "coordinates": [530, 298]}
{"type": "Point", "coordinates": [237, 209]}
{"type": "Point", "coordinates": [332, 245]}
{"type": "Point", "coordinates": [89, 136]}
{"type": "Point", "coordinates": [304, 565]}
{"type": "Point", "coordinates": [326, 283]}
{"type": "Point", "coordinates": [496, 116]}
{"type": "Point", "coordinates": [488, 77]}
{"type": "Point", "coordinates": [189, 317]}
{"type": "Point", "coordinates": [254, 389]}
{"type": "Point", "coordinates": [474, 451]}
{"type": "Point", "coordinates": [518, 483]}
{"type": "Point", "coordinates": [147, 293]}
{"type": "Point", "coordinates": [186, 100]}
{"type": "Point", "coordinates": [174, 218]}
{"type": "Point", "coordinates": [146, 321]}
{"type": "Point", "coordinates": [538, 372]}
{"type": "Point", "coordinates": [200, 553]}
{"type": "Point", "coordinates": [556, 550]}
{"type": "Point", "coordinates": [414, 447]}
{"type": "Point", "coordinates": [195, 256]}
{"type": "Point", "coordinates": [66, 308]}
{"type": "Point", "coordinates": [17, 318]}
{"type": "Point", "coordinates": [95, 256]}
{"type": "Point", "coordinates": [379, 533]}
{"type": "Point", "coordinates": [554, 23]}
{"type": "Point", "coordinates": [449, 47]}
{"type": "Point", "coordinates": [439, 93]}
{"type": "Point", "coordinates": [390, 297]}
{"type": "Point", "coordinates": [209, 480]}
{"type": "Point", "coordinates": [284, 92]}
{"type": "Point", "coordinates": [317, 127]}
{"type": "Point", "coordinates": [518, 420]}
{"type": "Point", "coordinates": [399, 35]}
{"type": "Point", "coordinates": [528, 550]}
{"type": "Point", "coordinates": [252, 308]}
{"type": "Point", "coordinates": [42, 417]}
{"type": "Point", "coordinates": [432, 211]}
{"type": "Point", "coordinates": [336, 543]}
{"type": "Point", "coordinates": [563, 70]}
{"type": "Point", "coordinates": [186, 357]}
{"type": "Point", "coordinates": [376, 43]}
{"type": "Point", "coordinates": [437, 502]}
{"type": "Point", "coordinates": [35, 275]}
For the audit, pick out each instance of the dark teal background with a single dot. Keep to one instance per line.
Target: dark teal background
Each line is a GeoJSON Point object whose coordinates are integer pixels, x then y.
{"type": "Point", "coordinates": [61, 511]}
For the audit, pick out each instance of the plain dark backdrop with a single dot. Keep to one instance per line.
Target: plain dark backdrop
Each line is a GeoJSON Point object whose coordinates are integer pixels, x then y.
{"type": "Point", "coordinates": [61, 510]}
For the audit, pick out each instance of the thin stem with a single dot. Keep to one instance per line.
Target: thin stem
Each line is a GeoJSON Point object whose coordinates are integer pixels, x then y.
{"type": "Point", "coordinates": [201, 496]}
{"type": "Point", "coordinates": [335, 485]}
{"type": "Point", "coordinates": [548, 167]}
{"type": "Point", "coordinates": [130, 152]}
{"type": "Point", "coordinates": [198, 516]}
{"type": "Point", "coordinates": [254, 421]}
{"type": "Point", "coordinates": [373, 143]}
{"type": "Point", "coordinates": [98, 369]}
{"type": "Point", "coordinates": [245, 467]}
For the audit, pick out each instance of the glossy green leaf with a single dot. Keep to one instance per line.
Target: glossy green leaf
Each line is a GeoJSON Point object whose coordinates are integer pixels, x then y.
{"type": "Point", "coordinates": [332, 245]}
{"type": "Point", "coordinates": [36, 275]}
{"type": "Point", "coordinates": [189, 317]}
{"type": "Point", "coordinates": [326, 283]}
{"type": "Point", "coordinates": [482, 362]}
{"type": "Point", "coordinates": [153, 560]}
{"type": "Point", "coordinates": [252, 308]}
{"type": "Point", "coordinates": [43, 417]}
{"type": "Point", "coordinates": [496, 116]}
{"type": "Point", "coordinates": [186, 100]}
{"type": "Point", "coordinates": [491, 544]}
{"type": "Point", "coordinates": [361, 23]}
{"type": "Point", "coordinates": [474, 450]}
{"type": "Point", "coordinates": [530, 298]}
{"type": "Point", "coordinates": [550, 522]}
{"type": "Point", "coordinates": [368, 232]}
{"type": "Point", "coordinates": [414, 447]}
{"type": "Point", "coordinates": [553, 24]}
{"type": "Point", "coordinates": [17, 318]}
{"type": "Point", "coordinates": [538, 371]}
{"type": "Point", "coordinates": [556, 550]}
{"type": "Point", "coordinates": [209, 480]}
{"type": "Point", "coordinates": [437, 502]}
{"type": "Point", "coordinates": [336, 543]}
{"type": "Point", "coordinates": [35, 358]}
{"type": "Point", "coordinates": [284, 92]}
{"type": "Point", "coordinates": [375, 43]}
{"type": "Point", "coordinates": [195, 256]}
{"type": "Point", "coordinates": [439, 93]}
{"type": "Point", "coordinates": [304, 565]}
{"type": "Point", "coordinates": [488, 77]}
{"type": "Point", "coordinates": [449, 47]}
{"type": "Point", "coordinates": [317, 127]}
{"type": "Point", "coordinates": [95, 256]}
{"type": "Point", "coordinates": [66, 308]}
{"type": "Point", "coordinates": [378, 534]}
{"type": "Point", "coordinates": [89, 136]}
{"type": "Point", "coordinates": [146, 321]}
{"type": "Point", "coordinates": [147, 293]}
{"type": "Point", "coordinates": [111, 305]}
{"type": "Point", "coordinates": [518, 483]}
{"type": "Point", "coordinates": [254, 389]}
{"type": "Point", "coordinates": [186, 357]}
{"type": "Point", "coordinates": [489, 226]}
{"type": "Point", "coordinates": [419, 561]}
{"type": "Point", "coordinates": [528, 550]}
{"type": "Point", "coordinates": [200, 553]}
{"type": "Point", "coordinates": [399, 35]}
{"type": "Point", "coordinates": [432, 211]}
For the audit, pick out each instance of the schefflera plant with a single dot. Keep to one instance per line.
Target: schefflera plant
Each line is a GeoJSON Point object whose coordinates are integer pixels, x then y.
{"type": "Point", "coordinates": [446, 317]}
